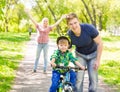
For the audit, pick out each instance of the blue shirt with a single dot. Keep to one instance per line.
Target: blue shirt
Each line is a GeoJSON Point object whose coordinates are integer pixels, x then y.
{"type": "Point", "coordinates": [84, 43]}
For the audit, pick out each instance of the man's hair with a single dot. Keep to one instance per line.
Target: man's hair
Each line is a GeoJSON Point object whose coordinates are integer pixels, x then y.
{"type": "Point", "coordinates": [63, 38]}
{"type": "Point", "coordinates": [71, 16]}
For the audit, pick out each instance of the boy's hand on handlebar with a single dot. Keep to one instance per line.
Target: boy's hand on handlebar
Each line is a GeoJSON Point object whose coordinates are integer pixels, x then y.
{"type": "Point", "coordinates": [53, 64]}
{"type": "Point", "coordinates": [83, 67]}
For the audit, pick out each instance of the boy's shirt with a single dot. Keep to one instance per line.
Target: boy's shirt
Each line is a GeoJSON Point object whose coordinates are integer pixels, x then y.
{"type": "Point", "coordinates": [63, 59]}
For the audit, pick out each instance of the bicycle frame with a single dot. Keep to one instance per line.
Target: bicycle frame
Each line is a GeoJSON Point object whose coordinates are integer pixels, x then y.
{"type": "Point", "coordinates": [64, 84]}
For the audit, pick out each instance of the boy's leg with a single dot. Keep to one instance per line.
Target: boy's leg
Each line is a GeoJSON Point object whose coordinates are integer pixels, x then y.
{"type": "Point", "coordinates": [55, 81]}
{"type": "Point", "coordinates": [73, 79]}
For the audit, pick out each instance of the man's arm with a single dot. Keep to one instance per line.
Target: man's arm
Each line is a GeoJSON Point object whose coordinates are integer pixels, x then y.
{"type": "Point", "coordinates": [99, 43]}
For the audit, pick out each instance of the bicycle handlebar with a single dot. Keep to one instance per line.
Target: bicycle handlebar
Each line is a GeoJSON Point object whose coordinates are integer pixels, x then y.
{"type": "Point", "coordinates": [69, 67]}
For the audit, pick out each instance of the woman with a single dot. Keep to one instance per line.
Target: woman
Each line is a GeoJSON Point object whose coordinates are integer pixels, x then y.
{"type": "Point", "coordinates": [88, 50]}
{"type": "Point", "coordinates": [43, 30]}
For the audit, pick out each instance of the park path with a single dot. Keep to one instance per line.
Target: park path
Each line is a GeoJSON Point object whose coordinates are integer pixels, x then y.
{"type": "Point", "coordinates": [27, 81]}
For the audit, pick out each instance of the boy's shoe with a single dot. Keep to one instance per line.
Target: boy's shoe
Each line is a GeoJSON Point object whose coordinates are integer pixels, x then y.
{"type": "Point", "coordinates": [34, 71]}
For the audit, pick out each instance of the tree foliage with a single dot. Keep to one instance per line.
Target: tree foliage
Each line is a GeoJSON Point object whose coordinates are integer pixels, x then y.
{"type": "Point", "coordinates": [100, 13]}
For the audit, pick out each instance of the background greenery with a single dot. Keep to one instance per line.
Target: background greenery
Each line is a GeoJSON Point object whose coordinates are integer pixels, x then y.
{"type": "Point", "coordinates": [110, 63]}
{"type": "Point", "coordinates": [11, 52]}
{"type": "Point", "coordinates": [14, 24]}
{"type": "Point", "coordinates": [103, 14]}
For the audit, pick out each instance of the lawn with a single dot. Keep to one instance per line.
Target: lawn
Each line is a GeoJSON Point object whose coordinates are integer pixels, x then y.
{"type": "Point", "coordinates": [11, 52]}
{"type": "Point", "coordinates": [110, 63]}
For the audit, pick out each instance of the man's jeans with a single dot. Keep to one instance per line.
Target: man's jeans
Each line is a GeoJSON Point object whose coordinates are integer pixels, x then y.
{"type": "Point", "coordinates": [87, 60]}
{"type": "Point", "coordinates": [40, 47]}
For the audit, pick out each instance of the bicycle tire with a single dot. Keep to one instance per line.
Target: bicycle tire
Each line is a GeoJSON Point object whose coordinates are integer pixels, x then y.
{"type": "Point", "coordinates": [68, 88]}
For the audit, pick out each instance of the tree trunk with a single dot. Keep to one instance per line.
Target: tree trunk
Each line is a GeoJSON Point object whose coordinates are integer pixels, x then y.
{"type": "Point", "coordinates": [58, 27]}
{"type": "Point", "coordinates": [100, 22]}
{"type": "Point", "coordinates": [94, 15]}
{"type": "Point", "coordinates": [6, 16]}
{"type": "Point", "coordinates": [89, 14]}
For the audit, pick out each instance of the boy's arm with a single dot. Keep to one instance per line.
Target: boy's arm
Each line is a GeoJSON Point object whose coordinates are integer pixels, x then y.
{"type": "Point", "coordinates": [78, 64]}
{"type": "Point", "coordinates": [53, 62]}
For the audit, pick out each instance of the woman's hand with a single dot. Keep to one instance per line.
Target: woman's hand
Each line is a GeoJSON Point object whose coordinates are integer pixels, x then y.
{"type": "Point", "coordinates": [26, 10]}
{"type": "Point", "coordinates": [64, 16]}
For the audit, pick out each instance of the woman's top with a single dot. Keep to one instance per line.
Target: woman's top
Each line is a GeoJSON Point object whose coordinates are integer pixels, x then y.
{"type": "Point", "coordinates": [43, 34]}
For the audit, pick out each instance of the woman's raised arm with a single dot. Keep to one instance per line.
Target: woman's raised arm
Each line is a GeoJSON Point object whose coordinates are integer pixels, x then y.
{"type": "Point", "coordinates": [54, 25]}
{"type": "Point", "coordinates": [28, 13]}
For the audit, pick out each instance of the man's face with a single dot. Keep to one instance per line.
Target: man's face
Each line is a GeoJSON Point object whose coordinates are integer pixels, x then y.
{"type": "Point", "coordinates": [73, 24]}
{"type": "Point", "coordinates": [63, 45]}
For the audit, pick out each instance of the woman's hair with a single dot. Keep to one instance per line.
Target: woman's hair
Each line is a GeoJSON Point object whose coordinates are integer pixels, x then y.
{"type": "Point", "coordinates": [71, 16]}
{"type": "Point", "coordinates": [62, 38]}
{"type": "Point", "coordinates": [45, 18]}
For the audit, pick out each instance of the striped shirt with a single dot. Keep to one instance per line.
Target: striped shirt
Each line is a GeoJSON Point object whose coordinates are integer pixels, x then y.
{"type": "Point", "coordinates": [43, 34]}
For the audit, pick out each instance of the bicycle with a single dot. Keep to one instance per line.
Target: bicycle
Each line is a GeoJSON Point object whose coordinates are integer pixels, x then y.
{"type": "Point", "coordinates": [64, 83]}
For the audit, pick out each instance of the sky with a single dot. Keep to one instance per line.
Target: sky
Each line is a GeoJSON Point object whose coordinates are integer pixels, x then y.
{"type": "Point", "coordinates": [28, 3]}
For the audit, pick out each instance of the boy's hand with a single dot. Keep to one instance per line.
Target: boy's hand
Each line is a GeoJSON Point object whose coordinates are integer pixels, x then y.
{"type": "Point", "coordinates": [82, 67]}
{"type": "Point", "coordinates": [53, 64]}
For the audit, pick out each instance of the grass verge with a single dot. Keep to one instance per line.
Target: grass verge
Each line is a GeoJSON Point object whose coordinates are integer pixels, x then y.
{"type": "Point", "coordinates": [11, 51]}
{"type": "Point", "coordinates": [110, 63]}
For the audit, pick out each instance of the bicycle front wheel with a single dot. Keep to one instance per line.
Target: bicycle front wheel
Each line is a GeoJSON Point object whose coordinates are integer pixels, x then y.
{"type": "Point", "coordinates": [68, 88]}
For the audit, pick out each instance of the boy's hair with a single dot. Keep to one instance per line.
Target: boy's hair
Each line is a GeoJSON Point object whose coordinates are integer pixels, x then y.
{"type": "Point", "coordinates": [71, 16]}
{"type": "Point", "coordinates": [63, 38]}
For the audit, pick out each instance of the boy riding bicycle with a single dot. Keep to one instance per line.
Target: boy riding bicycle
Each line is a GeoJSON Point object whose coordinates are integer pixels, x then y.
{"type": "Point", "coordinates": [62, 56]}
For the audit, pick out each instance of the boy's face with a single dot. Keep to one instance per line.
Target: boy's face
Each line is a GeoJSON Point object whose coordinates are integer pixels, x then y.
{"type": "Point", "coordinates": [63, 45]}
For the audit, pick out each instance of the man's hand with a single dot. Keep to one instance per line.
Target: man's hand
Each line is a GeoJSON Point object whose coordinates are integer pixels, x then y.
{"type": "Point", "coordinates": [96, 65]}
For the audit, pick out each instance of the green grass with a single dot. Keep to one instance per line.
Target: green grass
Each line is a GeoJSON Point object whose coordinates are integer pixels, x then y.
{"type": "Point", "coordinates": [11, 52]}
{"type": "Point", "coordinates": [110, 63]}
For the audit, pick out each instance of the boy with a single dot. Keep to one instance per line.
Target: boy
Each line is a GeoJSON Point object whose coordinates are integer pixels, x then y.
{"type": "Point", "coordinates": [62, 56]}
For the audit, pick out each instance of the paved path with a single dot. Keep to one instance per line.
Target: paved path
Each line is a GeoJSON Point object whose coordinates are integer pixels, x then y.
{"type": "Point", "coordinates": [27, 81]}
